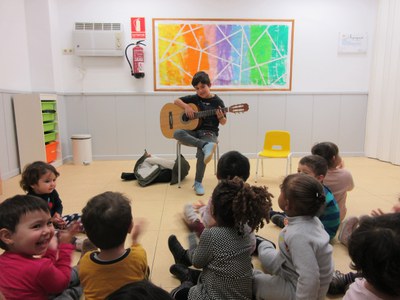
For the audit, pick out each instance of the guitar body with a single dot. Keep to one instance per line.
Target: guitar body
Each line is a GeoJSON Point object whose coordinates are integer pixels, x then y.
{"type": "Point", "coordinates": [172, 117]}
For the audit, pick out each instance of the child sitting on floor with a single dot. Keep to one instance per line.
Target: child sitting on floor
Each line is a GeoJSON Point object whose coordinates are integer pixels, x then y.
{"type": "Point", "coordinates": [341, 281]}
{"type": "Point", "coordinates": [374, 249]}
{"type": "Point", "coordinates": [107, 219]}
{"type": "Point", "coordinates": [36, 264]}
{"type": "Point", "coordinates": [230, 164]}
{"type": "Point", "coordinates": [302, 267]}
{"type": "Point", "coordinates": [224, 251]}
{"type": "Point", "coordinates": [316, 166]}
{"type": "Point", "coordinates": [39, 179]}
{"type": "Point", "coordinates": [140, 290]}
{"type": "Point", "coordinates": [338, 179]}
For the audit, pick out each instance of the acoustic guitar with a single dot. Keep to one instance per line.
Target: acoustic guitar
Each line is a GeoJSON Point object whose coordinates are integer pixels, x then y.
{"type": "Point", "coordinates": [173, 117]}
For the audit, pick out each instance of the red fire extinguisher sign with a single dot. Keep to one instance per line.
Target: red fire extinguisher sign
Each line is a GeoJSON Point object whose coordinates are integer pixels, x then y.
{"type": "Point", "coordinates": [138, 29]}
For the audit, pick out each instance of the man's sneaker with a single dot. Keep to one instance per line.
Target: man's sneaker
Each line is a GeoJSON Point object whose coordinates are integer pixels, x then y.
{"type": "Point", "coordinates": [278, 220]}
{"type": "Point", "coordinates": [208, 150]}
{"type": "Point", "coordinates": [179, 253]}
{"type": "Point", "coordinates": [340, 282]}
{"type": "Point", "coordinates": [198, 188]}
{"type": "Point", "coordinates": [348, 226]}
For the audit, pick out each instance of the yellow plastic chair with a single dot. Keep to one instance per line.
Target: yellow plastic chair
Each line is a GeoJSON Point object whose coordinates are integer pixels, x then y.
{"type": "Point", "coordinates": [276, 145]}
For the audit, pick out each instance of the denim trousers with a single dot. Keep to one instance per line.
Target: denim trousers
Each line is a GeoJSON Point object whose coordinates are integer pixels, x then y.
{"type": "Point", "coordinates": [196, 138]}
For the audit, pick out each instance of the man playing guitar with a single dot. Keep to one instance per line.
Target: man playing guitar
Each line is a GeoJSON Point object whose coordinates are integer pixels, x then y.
{"type": "Point", "coordinates": [205, 136]}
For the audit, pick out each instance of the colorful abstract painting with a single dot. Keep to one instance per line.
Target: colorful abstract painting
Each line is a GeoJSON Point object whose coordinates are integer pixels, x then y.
{"type": "Point", "coordinates": [237, 54]}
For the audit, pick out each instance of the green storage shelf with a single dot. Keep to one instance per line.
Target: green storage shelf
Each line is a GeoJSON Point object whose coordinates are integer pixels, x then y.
{"type": "Point", "coordinates": [50, 137]}
{"type": "Point", "coordinates": [48, 117]}
{"type": "Point", "coordinates": [48, 105]}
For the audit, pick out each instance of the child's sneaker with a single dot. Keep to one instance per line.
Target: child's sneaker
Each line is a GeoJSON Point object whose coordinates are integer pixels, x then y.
{"type": "Point", "coordinates": [340, 282]}
{"type": "Point", "coordinates": [181, 291]}
{"type": "Point", "coordinates": [78, 242]}
{"type": "Point", "coordinates": [183, 273]}
{"type": "Point", "coordinates": [198, 188]}
{"type": "Point", "coordinates": [259, 240]}
{"type": "Point", "coordinates": [348, 226]}
{"type": "Point", "coordinates": [190, 214]}
{"type": "Point", "coordinates": [279, 220]}
{"type": "Point", "coordinates": [179, 253]}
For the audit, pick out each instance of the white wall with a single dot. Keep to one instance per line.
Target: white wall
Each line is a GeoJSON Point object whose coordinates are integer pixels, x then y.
{"type": "Point", "coordinates": [14, 59]}
{"type": "Point", "coordinates": [317, 66]}
{"type": "Point", "coordinates": [99, 96]}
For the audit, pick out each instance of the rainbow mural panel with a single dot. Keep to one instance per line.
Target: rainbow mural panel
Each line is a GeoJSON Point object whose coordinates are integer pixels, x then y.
{"type": "Point", "coordinates": [237, 54]}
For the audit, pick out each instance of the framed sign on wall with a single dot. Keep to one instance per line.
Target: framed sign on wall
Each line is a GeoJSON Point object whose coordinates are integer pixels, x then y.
{"type": "Point", "coordinates": [238, 54]}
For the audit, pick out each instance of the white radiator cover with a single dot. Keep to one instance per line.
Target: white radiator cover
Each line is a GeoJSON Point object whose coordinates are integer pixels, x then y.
{"type": "Point", "coordinates": [98, 39]}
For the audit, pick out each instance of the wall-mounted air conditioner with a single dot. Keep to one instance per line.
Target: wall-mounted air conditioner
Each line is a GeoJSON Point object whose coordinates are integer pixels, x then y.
{"type": "Point", "coordinates": [98, 39]}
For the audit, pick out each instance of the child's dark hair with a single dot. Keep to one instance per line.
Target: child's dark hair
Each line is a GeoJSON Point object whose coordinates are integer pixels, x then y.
{"type": "Point", "coordinates": [201, 77]}
{"type": "Point", "coordinates": [374, 249]}
{"type": "Point", "coordinates": [304, 193]}
{"type": "Point", "coordinates": [236, 203]}
{"type": "Point", "coordinates": [327, 150]}
{"type": "Point", "coordinates": [316, 163]}
{"type": "Point", "coordinates": [32, 173]}
{"type": "Point", "coordinates": [12, 209]}
{"type": "Point", "coordinates": [232, 164]}
{"type": "Point", "coordinates": [106, 219]}
{"type": "Point", "coordinates": [140, 290]}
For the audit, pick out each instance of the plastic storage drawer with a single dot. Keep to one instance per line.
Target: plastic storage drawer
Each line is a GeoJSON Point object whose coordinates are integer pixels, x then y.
{"type": "Point", "coordinates": [48, 117]}
{"type": "Point", "coordinates": [49, 105]}
{"type": "Point", "coordinates": [50, 137]}
{"type": "Point", "coordinates": [51, 152]}
{"type": "Point", "coordinates": [50, 126]}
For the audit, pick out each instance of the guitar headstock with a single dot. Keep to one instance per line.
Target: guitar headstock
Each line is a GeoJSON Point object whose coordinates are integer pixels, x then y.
{"type": "Point", "coordinates": [238, 108]}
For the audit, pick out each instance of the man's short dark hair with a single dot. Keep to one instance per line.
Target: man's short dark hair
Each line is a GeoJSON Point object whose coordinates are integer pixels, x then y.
{"type": "Point", "coordinates": [201, 77]}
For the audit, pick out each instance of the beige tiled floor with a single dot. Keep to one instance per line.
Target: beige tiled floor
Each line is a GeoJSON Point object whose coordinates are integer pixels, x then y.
{"type": "Point", "coordinates": [377, 185]}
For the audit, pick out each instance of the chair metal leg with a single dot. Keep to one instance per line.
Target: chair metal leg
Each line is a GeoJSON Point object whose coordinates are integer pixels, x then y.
{"type": "Point", "coordinates": [262, 166]}
{"type": "Point", "coordinates": [178, 151]}
{"type": "Point", "coordinates": [216, 158]}
{"type": "Point", "coordinates": [255, 180]}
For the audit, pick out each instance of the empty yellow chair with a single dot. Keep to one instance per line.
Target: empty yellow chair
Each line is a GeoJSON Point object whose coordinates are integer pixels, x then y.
{"type": "Point", "coordinates": [276, 145]}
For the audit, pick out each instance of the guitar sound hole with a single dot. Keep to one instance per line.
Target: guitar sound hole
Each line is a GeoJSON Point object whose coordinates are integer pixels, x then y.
{"type": "Point", "coordinates": [185, 118]}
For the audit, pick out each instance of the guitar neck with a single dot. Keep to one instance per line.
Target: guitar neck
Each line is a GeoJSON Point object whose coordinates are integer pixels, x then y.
{"type": "Point", "coordinates": [209, 112]}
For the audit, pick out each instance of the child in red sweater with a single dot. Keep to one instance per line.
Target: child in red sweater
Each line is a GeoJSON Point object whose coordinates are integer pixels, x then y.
{"type": "Point", "coordinates": [35, 264]}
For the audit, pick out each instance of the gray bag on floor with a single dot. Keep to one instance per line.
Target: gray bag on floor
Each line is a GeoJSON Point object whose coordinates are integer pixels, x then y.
{"type": "Point", "coordinates": [149, 170]}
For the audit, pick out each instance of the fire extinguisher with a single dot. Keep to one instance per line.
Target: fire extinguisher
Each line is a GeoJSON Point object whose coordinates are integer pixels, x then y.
{"type": "Point", "coordinates": [137, 59]}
